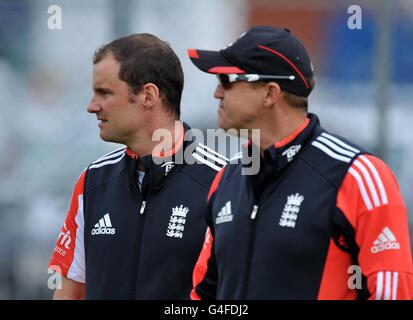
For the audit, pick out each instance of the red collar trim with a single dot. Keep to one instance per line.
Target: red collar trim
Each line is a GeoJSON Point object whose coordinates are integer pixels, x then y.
{"type": "Point", "coordinates": [131, 153]}
{"type": "Point", "coordinates": [292, 136]}
{"type": "Point", "coordinates": [287, 140]}
{"type": "Point", "coordinates": [175, 149]}
{"type": "Point", "coordinates": [163, 154]}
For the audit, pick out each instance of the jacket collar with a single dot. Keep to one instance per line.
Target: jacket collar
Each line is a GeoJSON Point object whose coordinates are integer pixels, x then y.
{"type": "Point", "coordinates": [281, 153]}
{"type": "Point", "coordinates": [158, 167]}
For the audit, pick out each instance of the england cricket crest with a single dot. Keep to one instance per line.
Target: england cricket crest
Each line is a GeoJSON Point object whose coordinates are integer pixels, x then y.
{"type": "Point", "coordinates": [177, 222]}
{"type": "Point", "coordinates": [291, 210]}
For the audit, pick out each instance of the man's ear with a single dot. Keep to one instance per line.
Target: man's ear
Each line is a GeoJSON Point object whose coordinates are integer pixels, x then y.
{"type": "Point", "coordinates": [149, 95]}
{"type": "Point", "coordinates": [272, 94]}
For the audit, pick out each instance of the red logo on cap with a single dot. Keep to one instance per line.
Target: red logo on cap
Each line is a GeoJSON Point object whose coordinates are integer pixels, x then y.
{"type": "Point", "coordinates": [292, 64]}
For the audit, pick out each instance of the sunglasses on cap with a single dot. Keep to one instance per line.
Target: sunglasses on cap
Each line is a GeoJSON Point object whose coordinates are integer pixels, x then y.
{"type": "Point", "coordinates": [225, 79]}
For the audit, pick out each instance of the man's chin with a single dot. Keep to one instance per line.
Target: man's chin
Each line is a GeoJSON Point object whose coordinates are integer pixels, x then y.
{"type": "Point", "coordinates": [223, 125]}
{"type": "Point", "coordinates": [108, 138]}
{"type": "Point", "coordinates": [228, 129]}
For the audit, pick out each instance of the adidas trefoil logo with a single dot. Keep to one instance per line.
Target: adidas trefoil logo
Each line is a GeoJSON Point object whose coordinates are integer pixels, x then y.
{"type": "Point", "coordinates": [104, 226]}
{"type": "Point", "coordinates": [225, 215]}
{"type": "Point", "coordinates": [177, 221]}
{"type": "Point", "coordinates": [291, 209]}
{"type": "Point", "coordinates": [385, 241]}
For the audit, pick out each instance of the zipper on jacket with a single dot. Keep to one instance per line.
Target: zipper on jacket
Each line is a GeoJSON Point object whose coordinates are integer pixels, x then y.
{"type": "Point", "coordinates": [143, 205]}
{"type": "Point", "coordinates": [145, 190]}
{"type": "Point", "coordinates": [139, 236]}
{"type": "Point", "coordinates": [250, 252]}
{"type": "Point", "coordinates": [254, 212]}
{"type": "Point", "coordinates": [138, 246]}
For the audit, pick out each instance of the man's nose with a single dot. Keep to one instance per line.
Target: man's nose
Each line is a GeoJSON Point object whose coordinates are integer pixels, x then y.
{"type": "Point", "coordinates": [93, 106]}
{"type": "Point", "coordinates": [219, 92]}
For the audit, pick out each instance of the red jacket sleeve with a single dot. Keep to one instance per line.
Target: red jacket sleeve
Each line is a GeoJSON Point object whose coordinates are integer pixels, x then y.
{"type": "Point", "coordinates": [68, 257]}
{"type": "Point", "coordinates": [371, 201]}
{"type": "Point", "coordinates": [201, 264]}
{"type": "Point", "coordinates": [204, 260]}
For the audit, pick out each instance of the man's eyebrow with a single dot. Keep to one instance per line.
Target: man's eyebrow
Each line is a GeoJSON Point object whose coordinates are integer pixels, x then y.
{"type": "Point", "coordinates": [101, 89]}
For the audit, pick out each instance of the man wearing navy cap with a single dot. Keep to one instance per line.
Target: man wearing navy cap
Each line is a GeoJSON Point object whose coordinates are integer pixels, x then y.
{"type": "Point", "coordinates": [323, 218]}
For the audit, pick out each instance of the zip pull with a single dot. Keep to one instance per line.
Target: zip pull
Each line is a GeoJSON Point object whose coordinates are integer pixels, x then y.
{"type": "Point", "coordinates": [254, 212]}
{"type": "Point", "coordinates": [142, 207]}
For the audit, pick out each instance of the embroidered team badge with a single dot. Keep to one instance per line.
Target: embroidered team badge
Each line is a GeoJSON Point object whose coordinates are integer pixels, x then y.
{"type": "Point", "coordinates": [291, 210]}
{"type": "Point", "coordinates": [177, 221]}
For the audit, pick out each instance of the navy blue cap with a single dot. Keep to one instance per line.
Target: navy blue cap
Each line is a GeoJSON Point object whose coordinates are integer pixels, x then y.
{"type": "Point", "coordinates": [262, 50]}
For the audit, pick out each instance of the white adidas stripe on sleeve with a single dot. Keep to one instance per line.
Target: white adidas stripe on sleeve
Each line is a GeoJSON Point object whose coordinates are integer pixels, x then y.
{"type": "Point", "coordinates": [362, 188]}
{"type": "Point", "coordinates": [339, 142]}
{"type": "Point", "coordinates": [204, 161]}
{"type": "Point", "coordinates": [386, 287]}
{"type": "Point", "coordinates": [211, 156]}
{"type": "Point", "coordinates": [213, 152]}
{"type": "Point", "coordinates": [334, 147]}
{"type": "Point", "coordinates": [395, 280]}
{"type": "Point", "coordinates": [101, 164]}
{"type": "Point", "coordinates": [377, 178]}
{"type": "Point", "coordinates": [330, 152]}
{"type": "Point", "coordinates": [337, 148]}
{"type": "Point", "coordinates": [379, 285]}
{"type": "Point", "coordinates": [369, 180]}
{"type": "Point", "coordinates": [370, 184]}
{"type": "Point", "coordinates": [236, 156]}
{"type": "Point", "coordinates": [110, 155]}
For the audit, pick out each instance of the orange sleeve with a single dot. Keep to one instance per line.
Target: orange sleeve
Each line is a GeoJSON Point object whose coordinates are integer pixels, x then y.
{"type": "Point", "coordinates": [371, 201]}
{"type": "Point", "coordinates": [202, 263]}
{"type": "Point", "coordinates": [68, 255]}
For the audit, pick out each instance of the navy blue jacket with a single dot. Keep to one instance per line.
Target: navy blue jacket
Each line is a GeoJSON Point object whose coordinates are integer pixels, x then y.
{"type": "Point", "coordinates": [318, 206]}
{"type": "Point", "coordinates": [128, 242]}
